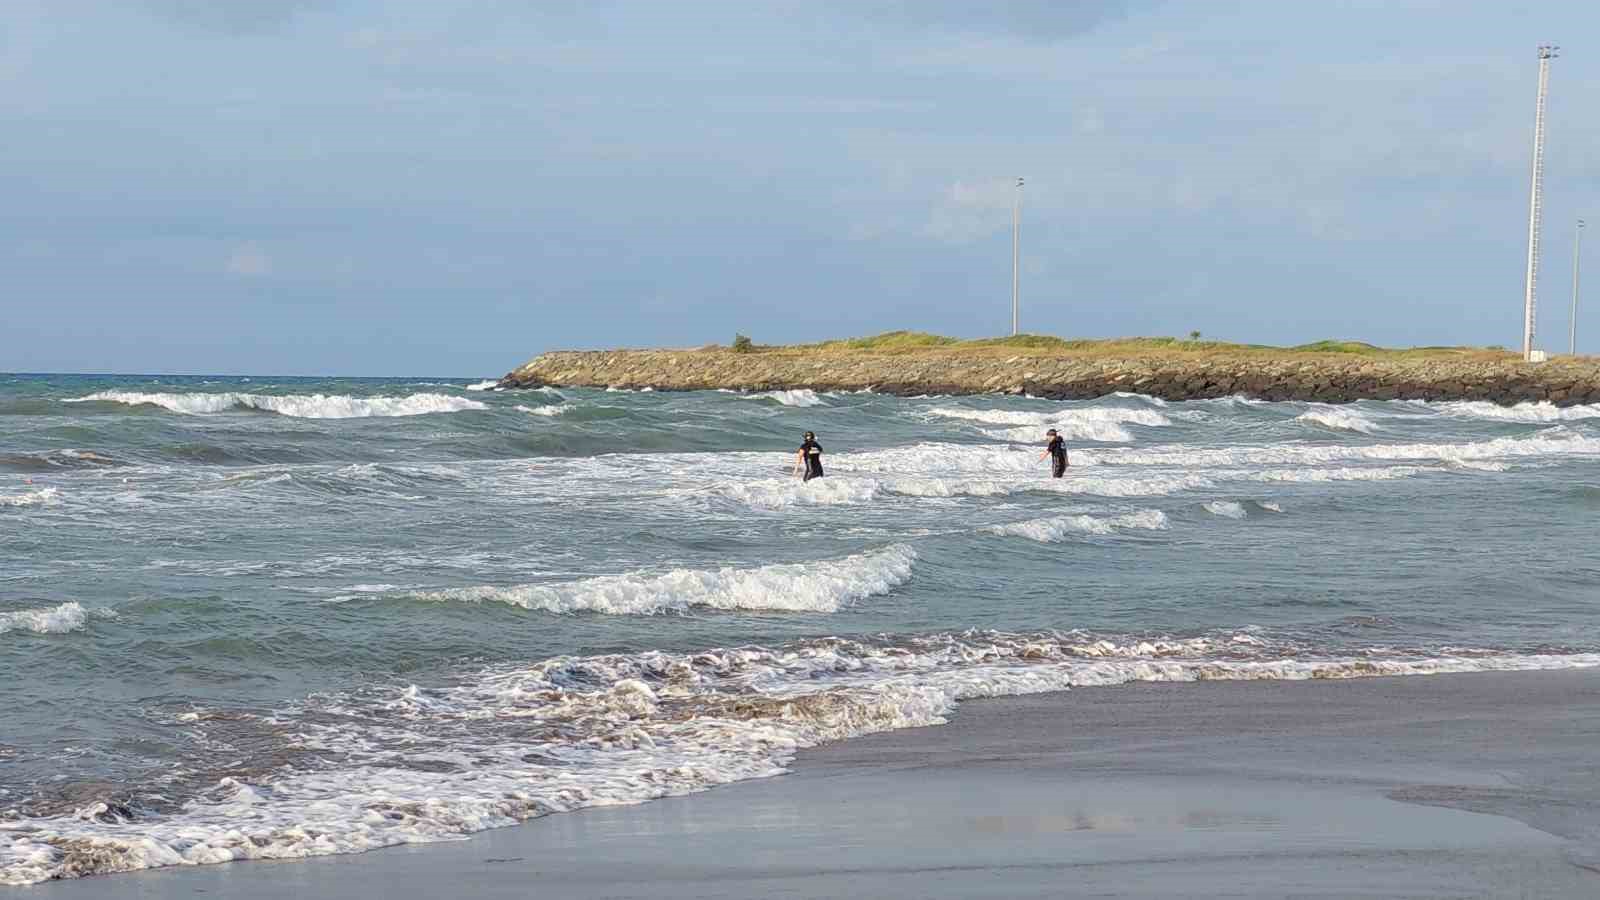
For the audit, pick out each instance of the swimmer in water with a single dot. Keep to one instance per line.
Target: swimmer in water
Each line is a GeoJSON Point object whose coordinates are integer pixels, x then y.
{"type": "Point", "coordinates": [1057, 451]}
{"type": "Point", "coordinates": [809, 456]}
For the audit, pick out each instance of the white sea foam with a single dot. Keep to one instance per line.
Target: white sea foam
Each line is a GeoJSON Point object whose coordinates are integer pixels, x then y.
{"type": "Point", "coordinates": [511, 744]}
{"type": "Point", "coordinates": [69, 616]}
{"type": "Point", "coordinates": [303, 406]}
{"type": "Point", "coordinates": [800, 397]}
{"type": "Point", "coordinates": [1228, 509]}
{"type": "Point", "coordinates": [1338, 419]}
{"type": "Point", "coordinates": [821, 586]}
{"type": "Point", "coordinates": [1054, 417]}
{"type": "Point", "coordinates": [1058, 528]}
{"type": "Point", "coordinates": [42, 497]}
{"type": "Point", "coordinates": [1549, 443]}
{"type": "Point", "coordinates": [1104, 424]}
{"type": "Point", "coordinates": [779, 493]}
{"type": "Point", "coordinates": [1480, 465]}
{"type": "Point", "coordinates": [1522, 412]}
{"type": "Point", "coordinates": [552, 410]}
{"type": "Point", "coordinates": [1348, 473]}
{"type": "Point", "coordinates": [486, 385]}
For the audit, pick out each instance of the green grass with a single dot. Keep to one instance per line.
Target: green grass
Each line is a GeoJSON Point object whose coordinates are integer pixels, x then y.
{"type": "Point", "coordinates": [921, 342]}
{"type": "Point", "coordinates": [889, 341]}
{"type": "Point", "coordinates": [1338, 347]}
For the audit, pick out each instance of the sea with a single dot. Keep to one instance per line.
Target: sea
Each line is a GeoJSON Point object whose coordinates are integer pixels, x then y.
{"type": "Point", "coordinates": [271, 617]}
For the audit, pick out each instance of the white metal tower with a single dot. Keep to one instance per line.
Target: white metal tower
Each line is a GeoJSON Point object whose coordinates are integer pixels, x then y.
{"type": "Point", "coordinates": [1016, 234]}
{"type": "Point", "coordinates": [1547, 52]}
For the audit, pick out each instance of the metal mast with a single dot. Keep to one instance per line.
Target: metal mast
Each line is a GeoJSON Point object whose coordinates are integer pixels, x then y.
{"type": "Point", "coordinates": [1016, 234]}
{"type": "Point", "coordinates": [1547, 52]}
{"type": "Point", "coordinates": [1572, 322]}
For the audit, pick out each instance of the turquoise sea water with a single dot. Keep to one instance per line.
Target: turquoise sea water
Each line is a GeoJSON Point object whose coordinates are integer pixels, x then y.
{"type": "Point", "coordinates": [279, 617]}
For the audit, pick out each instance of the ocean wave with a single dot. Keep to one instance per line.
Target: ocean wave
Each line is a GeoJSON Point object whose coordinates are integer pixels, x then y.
{"type": "Point", "coordinates": [1521, 412]}
{"type": "Point", "coordinates": [800, 397]}
{"type": "Point", "coordinates": [56, 459]}
{"type": "Point", "coordinates": [302, 406]}
{"type": "Point", "coordinates": [821, 586]}
{"type": "Point", "coordinates": [781, 493]}
{"type": "Point", "coordinates": [43, 497]}
{"type": "Point", "coordinates": [1349, 473]}
{"type": "Point", "coordinates": [1053, 417]}
{"type": "Point", "coordinates": [552, 410]}
{"type": "Point", "coordinates": [1338, 420]}
{"type": "Point", "coordinates": [1153, 485]}
{"type": "Point", "coordinates": [1545, 444]}
{"type": "Point", "coordinates": [69, 616]}
{"type": "Point", "coordinates": [1058, 528]}
{"type": "Point", "coordinates": [506, 745]}
{"type": "Point", "coordinates": [486, 385]}
{"type": "Point", "coordinates": [854, 489]}
{"type": "Point", "coordinates": [1228, 509]}
{"type": "Point", "coordinates": [1103, 424]}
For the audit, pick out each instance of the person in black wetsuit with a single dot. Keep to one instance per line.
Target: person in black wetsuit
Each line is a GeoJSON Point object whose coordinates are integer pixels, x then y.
{"type": "Point", "coordinates": [809, 456]}
{"type": "Point", "coordinates": [1057, 451]}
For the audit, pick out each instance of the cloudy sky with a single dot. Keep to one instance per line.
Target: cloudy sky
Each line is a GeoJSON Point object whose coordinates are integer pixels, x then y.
{"type": "Point", "coordinates": [360, 187]}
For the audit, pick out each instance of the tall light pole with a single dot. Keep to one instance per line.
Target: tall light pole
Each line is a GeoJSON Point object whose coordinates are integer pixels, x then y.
{"type": "Point", "coordinates": [1572, 322]}
{"type": "Point", "coordinates": [1547, 52]}
{"type": "Point", "coordinates": [1016, 236]}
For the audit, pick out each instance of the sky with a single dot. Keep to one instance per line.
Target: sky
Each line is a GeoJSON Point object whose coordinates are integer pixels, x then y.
{"type": "Point", "coordinates": [449, 188]}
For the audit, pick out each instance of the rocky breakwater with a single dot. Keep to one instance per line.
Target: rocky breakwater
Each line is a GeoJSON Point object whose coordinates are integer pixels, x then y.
{"type": "Point", "coordinates": [1323, 377]}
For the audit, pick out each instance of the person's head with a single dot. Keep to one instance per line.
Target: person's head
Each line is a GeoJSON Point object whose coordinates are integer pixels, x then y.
{"type": "Point", "coordinates": [1050, 433]}
{"type": "Point", "coordinates": [811, 435]}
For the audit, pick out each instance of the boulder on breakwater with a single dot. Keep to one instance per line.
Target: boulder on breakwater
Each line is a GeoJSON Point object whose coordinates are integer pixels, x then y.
{"type": "Point", "coordinates": [1287, 375]}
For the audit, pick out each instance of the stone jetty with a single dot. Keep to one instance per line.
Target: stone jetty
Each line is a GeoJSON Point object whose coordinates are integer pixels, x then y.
{"type": "Point", "coordinates": [1290, 375]}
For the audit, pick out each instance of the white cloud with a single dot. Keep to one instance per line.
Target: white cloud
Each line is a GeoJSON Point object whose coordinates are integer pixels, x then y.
{"type": "Point", "coordinates": [969, 210]}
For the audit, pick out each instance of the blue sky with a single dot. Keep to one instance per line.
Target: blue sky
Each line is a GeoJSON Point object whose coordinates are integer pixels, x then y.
{"type": "Point", "coordinates": [293, 186]}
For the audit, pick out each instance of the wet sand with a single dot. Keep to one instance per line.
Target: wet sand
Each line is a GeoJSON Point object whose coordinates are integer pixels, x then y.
{"type": "Point", "coordinates": [1478, 785]}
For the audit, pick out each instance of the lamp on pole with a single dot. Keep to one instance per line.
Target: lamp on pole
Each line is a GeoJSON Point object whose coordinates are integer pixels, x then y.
{"type": "Point", "coordinates": [1572, 322]}
{"type": "Point", "coordinates": [1016, 234]}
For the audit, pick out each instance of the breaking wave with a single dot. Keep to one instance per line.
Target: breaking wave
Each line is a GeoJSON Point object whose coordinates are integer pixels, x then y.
{"type": "Point", "coordinates": [69, 616]}
{"type": "Point", "coordinates": [410, 765]}
{"type": "Point", "coordinates": [1548, 443]}
{"type": "Point", "coordinates": [1056, 529]}
{"type": "Point", "coordinates": [301, 406]}
{"type": "Point", "coordinates": [780, 493]}
{"type": "Point", "coordinates": [552, 410]}
{"type": "Point", "coordinates": [1104, 424]}
{"type": "Point", "coordinates": [43, 497]}
{"type": "Point", "coordinates": [821, 586]}
{"type": "Point", "coordinates": [1522, 412]}
{"type": "Point", "coordinates": [1228, 509]}
{"type": "Point", "coordinates": [485, 385]}
{"type": "Point", "coordinates": [1368, 473]}
{"type": "Point", "coordinates": [799, 397]}
{"type": "Point", "coordinates": [1338, 420]}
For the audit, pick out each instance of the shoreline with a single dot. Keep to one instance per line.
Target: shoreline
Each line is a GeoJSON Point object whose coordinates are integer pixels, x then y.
{"type": "Point", "coordinates": [1301, 376]}
{"type": "Point", "coordinates": [1462, 785]}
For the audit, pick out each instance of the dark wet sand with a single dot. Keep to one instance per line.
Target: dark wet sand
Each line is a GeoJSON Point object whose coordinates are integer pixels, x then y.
{"type": "Point", "coordinates": [1446, 786]}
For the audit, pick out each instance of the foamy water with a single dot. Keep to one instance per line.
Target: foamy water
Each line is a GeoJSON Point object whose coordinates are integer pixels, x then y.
{"type": "Point", "coordinates": [362, 613]}
{"type": "Point", "coordinates": [61, 619]}
{"type": "Point", "coordinates": [313, 406]}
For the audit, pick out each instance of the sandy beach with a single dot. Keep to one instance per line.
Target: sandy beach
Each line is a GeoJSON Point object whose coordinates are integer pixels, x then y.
{"type": "Point", "coordinates": [1476, 785]}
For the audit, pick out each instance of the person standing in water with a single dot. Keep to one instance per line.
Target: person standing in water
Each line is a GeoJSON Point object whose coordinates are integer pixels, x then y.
{"type": "Point", "coordinates": [809, 457]}
{"type": "Point", "coordinates": [1057, 451]}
